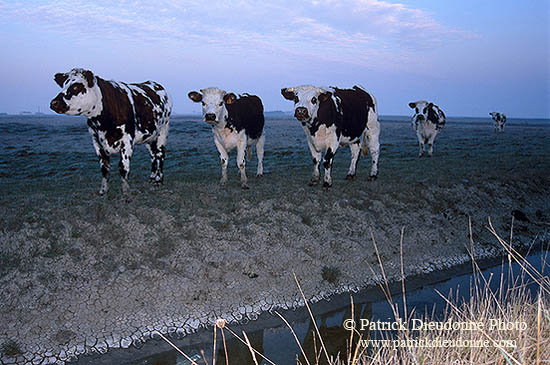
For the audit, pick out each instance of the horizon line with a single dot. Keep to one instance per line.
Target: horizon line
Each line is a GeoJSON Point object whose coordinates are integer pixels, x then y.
{"type": "Point", "coordinates": [188, 114]}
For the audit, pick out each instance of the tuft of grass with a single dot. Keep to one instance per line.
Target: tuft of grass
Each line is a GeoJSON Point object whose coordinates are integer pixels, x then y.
{"type": "Point", "coordinates": [8, 262]}
{"type": "Point", "coordinates": [25, 213]}
{"type": "Point", "coordinates": [75, 253]}
{"type": "Point", "coordinates": [47, 279]}
{"type": "Point", "coordinates": [11, 348]}
{"type": "Point", "coordinates": [116, 234]}
{"type": "Point", "coordinates": [221, 226]}
{"type": "Point", "coordinates": [75, 232]}
{"type": "Point", "coordinates": [306, 219]}
{"type": "Point", "coordinates": [165, 245]}
{"type": "Point", "coordinates": [56, 249]}
{"type": "Point", "coordinates": [190, 235]}
{"type": "Point", "coordinates": [99, 213]}
{"type": "Point", "coordinates": [330, 274]}
{"type": "Point", "coordinates": [106, 265]}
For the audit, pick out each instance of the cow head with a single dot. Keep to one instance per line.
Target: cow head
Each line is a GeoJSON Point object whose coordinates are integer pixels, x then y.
{"type": "Point", "coordinates": [306, 100]}
{"type": "Point", "coordinates": [421, 110]}
{"type": "Point", "coordinates": [214, 103]}
{"type": "Point", "coordinates": [80, 94]}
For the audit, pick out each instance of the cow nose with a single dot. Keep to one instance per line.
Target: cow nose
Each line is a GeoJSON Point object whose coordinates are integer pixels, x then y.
{"type": "Point", "coordinates": [301, 113]}
{"type": "Point", "coordinates": [210, 116]}
{"type": "Point", "coordinates": [58, 105]}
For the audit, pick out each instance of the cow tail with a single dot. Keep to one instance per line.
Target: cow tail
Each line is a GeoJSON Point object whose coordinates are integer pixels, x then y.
{"type": "Point", "coordinates": [364, 147]}
{"type": "Point", "coordinates": [249, 153]}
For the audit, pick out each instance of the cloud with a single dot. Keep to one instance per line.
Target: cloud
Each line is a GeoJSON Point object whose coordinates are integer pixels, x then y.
{"type": "Point", "coordinates": [345, 30]}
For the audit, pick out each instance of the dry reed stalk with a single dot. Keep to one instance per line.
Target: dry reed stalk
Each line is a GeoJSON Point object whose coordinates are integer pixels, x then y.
{"type": "Point", "coordinates": [295, 337]}
{"type": "Point", "coordinates": [250, 348]}
{"type": "Point", "coordinates": [244, 342]}
{"type": "Point", "coordinates": [177, 349]}
{"type": "Point", "coordinates": [312, 319]}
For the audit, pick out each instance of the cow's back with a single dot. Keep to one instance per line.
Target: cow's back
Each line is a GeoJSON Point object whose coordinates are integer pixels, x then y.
{"type": "Point", "coordinates": [437, 117]}
{"type": "Point", "coordinates": [151, 104]}
{"type": "Point", "coordinates": [353, 106]}
{"type": "Point", "coordinates": [247, 112]}
{"type": "Point", "coordinates": [117, 108]}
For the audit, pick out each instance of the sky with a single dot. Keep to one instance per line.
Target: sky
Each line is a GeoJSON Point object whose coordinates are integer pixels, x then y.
{"type": "Point", "coordinates": [469, 57]}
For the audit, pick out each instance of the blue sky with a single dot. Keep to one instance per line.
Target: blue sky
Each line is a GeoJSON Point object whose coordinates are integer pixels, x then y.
{"type": "Point", "coordinates": [469, 57]}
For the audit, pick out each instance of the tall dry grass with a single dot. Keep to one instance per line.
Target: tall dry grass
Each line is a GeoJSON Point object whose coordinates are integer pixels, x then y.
{"type": "Point", "coordinates": [507, 326]}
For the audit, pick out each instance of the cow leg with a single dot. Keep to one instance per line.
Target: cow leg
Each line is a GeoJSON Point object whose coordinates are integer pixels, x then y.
{"type": "Point", "coordinates": [327, 163]}
{"type": "Point", "coordinates": [157, 161]}
{"type": "Point", "coordinates": [355, 152]}
{"type": "Point", "coordinates": [431, 145]}
{"type": "Point", "coordinates": [420, 146]}
{"type": "Point", "coordinates": [126, 150]}
{"type": "Point", "coordinates": [104, 163]}
{"type": "Point", "coordinates": [260, 153]}
{"type": "Point", "coordinates": [223, 159]}
{"type": "Point", "coordinates": [316, 155]}
{"type": "Point", "coordinates": [241, 149]}
{"type": "Point", "coordinates": [157, 150]}
{"type": "Point", "coordinates": [374, 150]}
{"type": "Point", "coordinates": [373, 141]}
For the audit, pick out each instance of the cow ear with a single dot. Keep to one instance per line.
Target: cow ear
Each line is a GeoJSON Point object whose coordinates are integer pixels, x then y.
{"type": "Point", "coordinates": [412, 105]}
{"type": "Point", "coordinates": [288, 93]}
{"type": "Point", "coordinates": [325, 96]}
{"type": "Point", "coordinates": [229, 98]}
{"type": "Point", "coordinates": [60, 78]}
{"type": "Point", "coordinates": [195, 96]}
{"type": "Point", "coordinates": [430, 105]}
{"type": "Point", "coordinates": [89, 76]}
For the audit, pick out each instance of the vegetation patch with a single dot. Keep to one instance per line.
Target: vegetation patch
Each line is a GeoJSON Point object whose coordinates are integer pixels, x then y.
{"type": "Point", "coordinates": [330, 274]}
{"type": "Point", "coordinates": [11, 348]}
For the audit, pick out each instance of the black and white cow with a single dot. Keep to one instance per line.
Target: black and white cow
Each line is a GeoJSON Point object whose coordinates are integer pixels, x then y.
{"type": "Point", "coordinates": [499, 120]}
{"type": "Point", "coordinates": [120, 115]}
{"type": "Point", "coordinates": [331, 117]}
{"type": "Point", "coordinates": [427, 121]}
{"type": "Point", "coordinates": [236, 122]}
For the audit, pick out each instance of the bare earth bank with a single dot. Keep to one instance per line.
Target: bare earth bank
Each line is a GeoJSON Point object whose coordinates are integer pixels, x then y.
{"type": "Point", "coordinates": [82, 273]}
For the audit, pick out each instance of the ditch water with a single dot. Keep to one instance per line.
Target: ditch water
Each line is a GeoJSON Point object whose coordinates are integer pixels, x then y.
{"type": "Point", "coordinates": [273, 339]}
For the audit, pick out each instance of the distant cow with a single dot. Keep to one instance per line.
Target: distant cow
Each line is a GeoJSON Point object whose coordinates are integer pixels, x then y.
{"type": "Point", "coordinates": [236, 122]}
{"type": "Point", "coordinates": [119, 116]}
{"type": "Point", "coordinates": [499, 120]}
{"type": "Point", "coordinates": [331, 117]}
{"type": "Point", "coordinates": [427, 121]}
